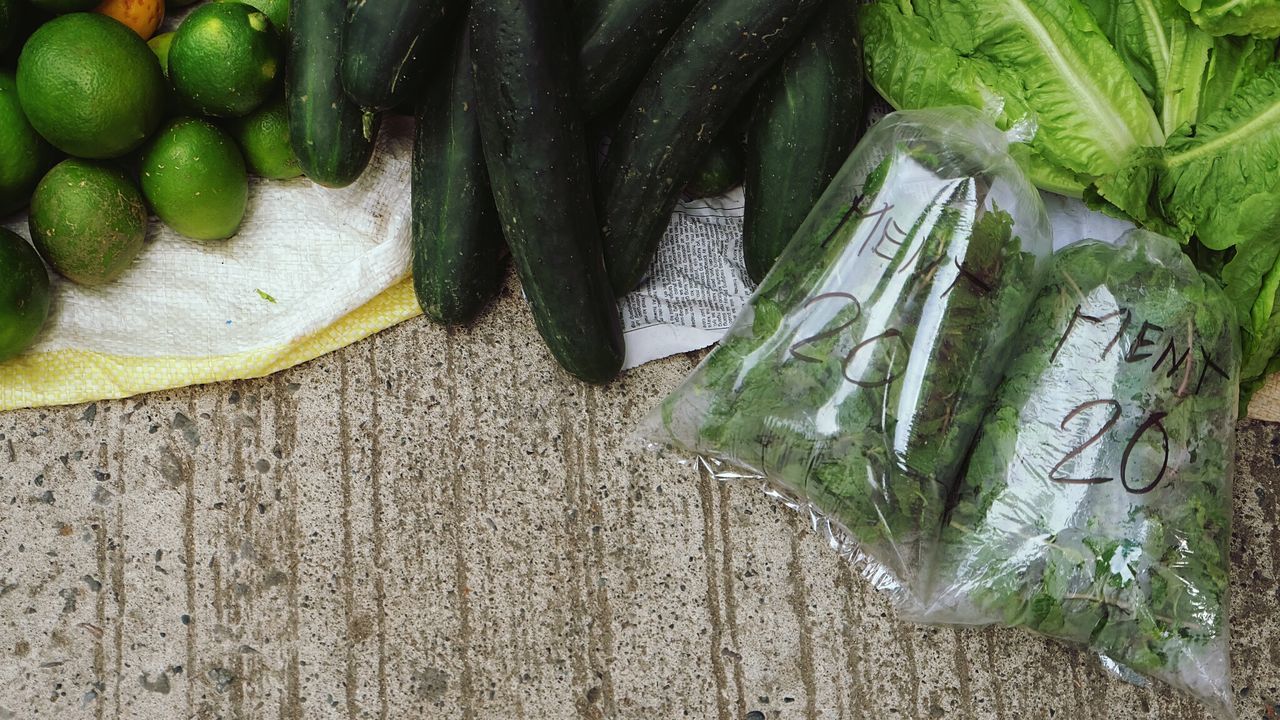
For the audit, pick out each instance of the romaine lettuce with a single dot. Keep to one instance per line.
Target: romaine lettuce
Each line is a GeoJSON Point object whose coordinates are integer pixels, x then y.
{"type": "Point", "coordinates": [1043, 59]}
{"type": "Point", "coordinates": [1219, 184]}
{"type": "Point", "coordinates": [1259, 18]}
{"type": "Point", "coordinates": [1164, 51]}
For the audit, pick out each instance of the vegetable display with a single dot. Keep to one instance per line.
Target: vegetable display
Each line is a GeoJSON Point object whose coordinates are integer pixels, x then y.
{"type": "Point", "coordinates": [859, 375]}
{"type": "Point", "coordinates": [1141, 107]}
{"type": "Point", "coordinates": [1096, 506]}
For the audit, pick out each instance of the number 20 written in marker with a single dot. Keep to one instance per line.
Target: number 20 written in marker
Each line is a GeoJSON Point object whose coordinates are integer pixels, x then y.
{"type": "Point", "coordinates": [1153, 422]}
{"type": "Point", "coordinates": [890, 334]}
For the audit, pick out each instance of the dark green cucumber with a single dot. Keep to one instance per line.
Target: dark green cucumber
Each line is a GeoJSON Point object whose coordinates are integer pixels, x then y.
{"type": "Point", "coordinates": [617, 41]}
{"type": "Point", "coordinates": [685, 99]}
{"type": "Point", "coordinates": [536, 150]}
{"type": "Point", "coordinates": [809, 113]}
{"type": "Point", "coordinates": [721, 168]}
{"type": "Point", "coordinates": [332, 137]}
{"type": "Point", "coordinates": [387, 47]}
{"type": "Point", "coordinates": [457, 239]}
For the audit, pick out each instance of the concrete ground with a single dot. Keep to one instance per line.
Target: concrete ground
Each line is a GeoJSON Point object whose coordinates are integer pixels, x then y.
{"type": "Point", "coordinates": [440, 525]}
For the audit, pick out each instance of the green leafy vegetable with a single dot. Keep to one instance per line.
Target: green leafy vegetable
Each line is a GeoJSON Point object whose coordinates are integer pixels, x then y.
{"type": "Point", "coordinates": [1233, 63]}
{"type": "Point", "coordinates": [858, 376]}
{"type": "Point", "coordinates": [1260, 18]}
{"type": "Point", "coordinates": [1097, 502]}
{"type": "Point", "coordinates": [1043, 59]}
{"type": "Point", "coordinates": [1163, 50]}
{"type": "Point", "coordinates": [1220, 184]}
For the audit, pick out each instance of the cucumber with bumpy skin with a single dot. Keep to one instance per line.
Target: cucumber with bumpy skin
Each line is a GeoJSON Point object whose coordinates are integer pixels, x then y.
{"type": "Point", "coordinates": [457, 239]}
{"type": "Point", "coordinates": [685, 99]}
{"type": "Point", "coordinates": [721, 169]}
{"type": "Point", "coordinates": [618, 39]}
{"type": "Point", "coordinates": [809, 113]}
{"type": "Point", "coordinates": [332, 137]}
{"type": "Point", "coordinates": [536, 150]}
{"type": "Point", "coordinates": [387, 47]}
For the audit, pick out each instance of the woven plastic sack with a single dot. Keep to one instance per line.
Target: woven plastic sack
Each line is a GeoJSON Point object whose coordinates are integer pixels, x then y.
{"type": "Point", "coordinates": [857, 375]}
{"type": "Point", "coordinates": [1097, 503]}
{"type": "Point", "coordinates": [311, 270]}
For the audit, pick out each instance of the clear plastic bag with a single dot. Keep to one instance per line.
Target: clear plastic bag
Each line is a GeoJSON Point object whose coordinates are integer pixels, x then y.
{"type": "Point", "coordinates": [1096, 506]}
{"type": "Point", "coordinates": [857, 375]}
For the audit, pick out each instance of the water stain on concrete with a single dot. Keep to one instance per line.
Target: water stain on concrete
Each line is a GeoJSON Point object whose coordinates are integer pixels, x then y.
{"type": "Point", "coordinates": [430, 683]}
{"type": "Point", "coordinates": [159, 685]}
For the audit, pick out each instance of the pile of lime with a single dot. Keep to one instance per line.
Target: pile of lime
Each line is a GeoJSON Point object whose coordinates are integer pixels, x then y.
{"type": "Point", "coordinates": [104, 123]}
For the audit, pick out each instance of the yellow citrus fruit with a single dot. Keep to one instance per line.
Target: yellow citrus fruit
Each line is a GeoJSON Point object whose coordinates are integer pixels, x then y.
{"type": "Point", "coordinates": [142, 16]}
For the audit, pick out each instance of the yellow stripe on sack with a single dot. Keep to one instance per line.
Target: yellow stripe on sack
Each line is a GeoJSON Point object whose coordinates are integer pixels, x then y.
{"type": "Point", "coordinates": [65, 377]}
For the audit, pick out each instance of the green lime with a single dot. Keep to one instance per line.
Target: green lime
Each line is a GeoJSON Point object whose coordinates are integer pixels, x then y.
{"type": "Point", "coordinates": [160, 46]}
{"type": "Point", "coordinates": [24, 155]}
{"type": "Point", "coordinates": [88, 220]}
{"type": "Point", "coordinates": [225, 59]}
{"type": "Point", "coordinates": [194, 178]}
{"type": "Point", "coordinates": [264, 137]}
{"type": "Point", "coordinates": [90, 86]}
{"type": "Point", "coordinates": [60, 7]}
{"type": "Point", "coordinates": [277, 11]}
{"type": "Point", "coordinates": [24, 294]}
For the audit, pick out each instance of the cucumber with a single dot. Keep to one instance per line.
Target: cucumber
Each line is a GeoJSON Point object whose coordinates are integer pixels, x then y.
{"type": "Point", "coordinates": [809, 113]}
{"type": "Point", "coordinates": [618, 39]}
{"type": "Point", "coordinates": [386, 47]}
{"type": "Point", "coordinates": [457, 239]}
{"type": "Point", "coordinates": [536, 151]}
{"type": "Point", "coordinates": [691, 91]}
{"type": "Point", "coordinates": [332, 137]}
{"type": "Point", "coordinates": [721, 168]}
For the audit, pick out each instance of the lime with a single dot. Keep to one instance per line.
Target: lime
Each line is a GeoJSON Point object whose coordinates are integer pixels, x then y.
{"type": "Point", "coordinates": [277, 11]}
{"type": "Point", "coordinates": [24, 155]}
{"type": "Point", "coordinates": [90, 86]}
{"type": "Point", "coordinates": [194, 178]}
{"type": "Point", "coordinates": [24, 294]}
{"type": "Point", "coordinates": [59, 7]}
{"type": "Point", "coordinates": [88, 220]}
{"type": "Point", "coordinates": [160, 46]}
{"type": "Point", "coordinates": [264, 137]}
{"type": "Point", "coordinates": [225, 59]}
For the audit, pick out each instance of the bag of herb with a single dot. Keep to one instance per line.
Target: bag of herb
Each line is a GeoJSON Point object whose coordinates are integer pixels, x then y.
{"type": "Point", "coordinates": [856, 376]}
{"type": "Point", "coordinates": [1097, 503]}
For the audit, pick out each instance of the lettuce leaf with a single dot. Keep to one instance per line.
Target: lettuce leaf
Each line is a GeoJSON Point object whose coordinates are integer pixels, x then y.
{"type": "Point", "coordinates": [1165, 52]}
{"type": "Point", "coordinates": [1219, 185]}
{"type": "Point", "coordinates": [1259, 18]}
{"type": "Point", "coordinates": [1043, 59]}
{"type": "Point", "coordinates": [1233, 63]}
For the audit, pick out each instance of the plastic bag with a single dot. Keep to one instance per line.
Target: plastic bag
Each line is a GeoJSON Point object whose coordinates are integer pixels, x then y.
{"type": "Point", "coordinates": [857, 375]}
{"type": "Point", "coordinates": [1097, 502]}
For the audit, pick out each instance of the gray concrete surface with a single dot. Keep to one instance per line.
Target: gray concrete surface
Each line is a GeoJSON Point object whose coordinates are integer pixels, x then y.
{"type": "Point", "coordinates": [438, 524]}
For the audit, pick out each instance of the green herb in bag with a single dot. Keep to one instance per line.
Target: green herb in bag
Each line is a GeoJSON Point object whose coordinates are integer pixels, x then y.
{"type": "Point", "coordinates": [1097, 503]}
{"type": "Point", "coordinates": [858, 374]}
